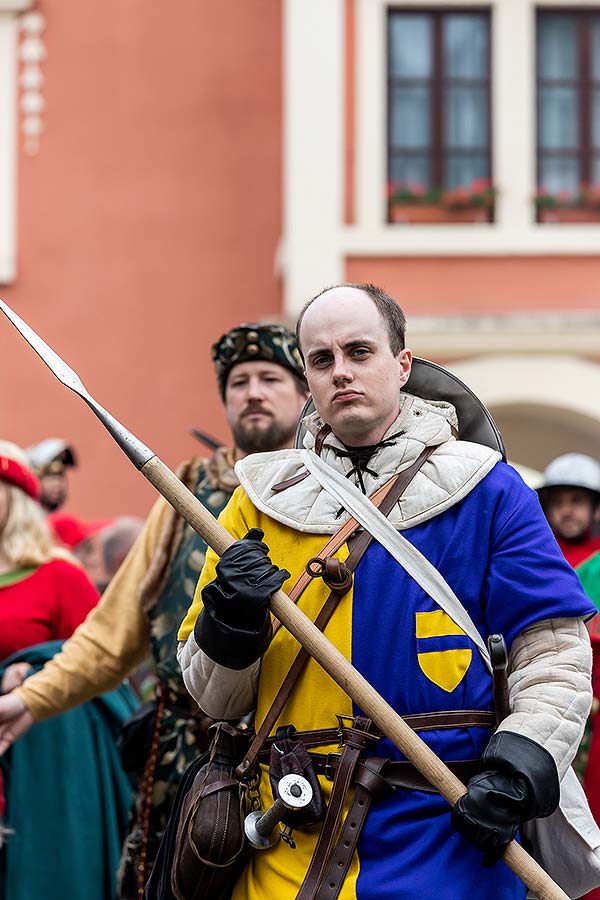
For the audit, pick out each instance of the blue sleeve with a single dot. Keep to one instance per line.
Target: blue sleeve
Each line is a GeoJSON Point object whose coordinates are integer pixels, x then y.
{"type": "Point", "coordinates": [528, 578]}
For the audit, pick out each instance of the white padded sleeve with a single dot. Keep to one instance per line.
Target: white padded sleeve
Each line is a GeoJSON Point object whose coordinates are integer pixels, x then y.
{"type": "Point", "coordinates": [220, 692]}
{"type": "Point", "coordinates": [550, 686]}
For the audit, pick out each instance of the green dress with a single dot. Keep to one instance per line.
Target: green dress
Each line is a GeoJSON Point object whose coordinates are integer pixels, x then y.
{"type": "Point", "coordinates": [67, 798]}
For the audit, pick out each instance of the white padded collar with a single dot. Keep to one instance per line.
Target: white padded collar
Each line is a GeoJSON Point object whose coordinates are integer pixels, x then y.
{"type": "Point", "coordinates": [450, 473]}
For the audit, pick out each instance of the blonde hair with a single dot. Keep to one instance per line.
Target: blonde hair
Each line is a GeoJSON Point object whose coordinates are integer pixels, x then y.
{"type": "Point", "coordinates": [26, 538]}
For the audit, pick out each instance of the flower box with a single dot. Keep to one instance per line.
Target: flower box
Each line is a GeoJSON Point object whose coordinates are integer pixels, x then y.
{"type": "Point", "coordinates": [435, 214]}
{"type": "Point", "coordinates": [568, 215]}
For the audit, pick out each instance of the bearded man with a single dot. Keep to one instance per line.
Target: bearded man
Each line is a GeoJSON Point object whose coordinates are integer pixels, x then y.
{"type": "Point", "coordinates": [261, 380]}
{"type": "Point", "coordinates": [470, 516]}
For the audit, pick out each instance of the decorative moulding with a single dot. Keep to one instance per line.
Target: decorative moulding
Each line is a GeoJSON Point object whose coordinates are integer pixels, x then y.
{"type": "Point", "coordinates": [32, 53]}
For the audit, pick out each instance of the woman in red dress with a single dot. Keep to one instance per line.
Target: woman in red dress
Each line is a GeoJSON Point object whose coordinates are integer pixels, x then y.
{"type": "Point", "coordinates": [63, 827]}
{"type": "Point", "coordinates": [44, 593]}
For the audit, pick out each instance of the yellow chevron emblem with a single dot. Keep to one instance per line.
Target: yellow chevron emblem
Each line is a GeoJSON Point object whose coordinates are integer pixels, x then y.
{"type": "Point", "coordinates": [443, 649]}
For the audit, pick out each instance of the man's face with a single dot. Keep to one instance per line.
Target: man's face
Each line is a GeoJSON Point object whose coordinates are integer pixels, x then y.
{"type": "Point", "coordinates": [570, 512]}
{"type": "Point", "coordinates": [353, 376]}
{"type": "Point", "coordinates": [53, 490]}
{"type": "Point", "coordinates": [263, 405]}
{"type": "Point", "coordinates": [89, 553]}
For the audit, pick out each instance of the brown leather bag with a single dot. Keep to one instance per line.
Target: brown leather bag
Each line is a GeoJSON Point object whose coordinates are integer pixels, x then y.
{"type": "Point", "coordinates": [210, 849]}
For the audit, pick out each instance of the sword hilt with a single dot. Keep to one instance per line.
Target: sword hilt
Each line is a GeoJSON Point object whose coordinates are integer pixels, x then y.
{"type": "Point", "coordinates": [294, 792]}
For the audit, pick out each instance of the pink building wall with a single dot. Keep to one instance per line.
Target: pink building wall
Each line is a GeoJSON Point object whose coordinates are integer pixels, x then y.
{"type": "Point", "coordinates": [148, 225]}
{"type": "Point", "coordinates": [483, 285]}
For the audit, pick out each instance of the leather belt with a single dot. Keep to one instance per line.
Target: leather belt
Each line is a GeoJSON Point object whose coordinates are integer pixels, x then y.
{"type": "Point", "coordinates": [395, 774]}
{"type": "Point", "coordinates": [460, 718]}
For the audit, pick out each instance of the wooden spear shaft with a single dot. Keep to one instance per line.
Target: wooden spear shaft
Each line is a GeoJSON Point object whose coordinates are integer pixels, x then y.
{"type": "Point", "coordinates": [348, 678]}
{"type": "Point", "coordinates": [305, 632]}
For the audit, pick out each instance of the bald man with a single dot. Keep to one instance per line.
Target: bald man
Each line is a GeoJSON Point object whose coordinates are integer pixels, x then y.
{"type": "Point", "coordinates": [387, 834]}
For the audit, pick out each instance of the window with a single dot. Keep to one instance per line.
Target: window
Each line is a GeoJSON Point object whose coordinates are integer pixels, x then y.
{"type": "Point", "coordinates": [568, 100]}
{"type": "Point", "coordinates": [438, 98]}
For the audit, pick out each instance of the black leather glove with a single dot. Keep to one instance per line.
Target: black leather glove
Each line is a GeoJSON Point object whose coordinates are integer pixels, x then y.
{"type": "Point", "coordinates": [518, 782]}
{"type": "Point", "coordinates": [234, 628]}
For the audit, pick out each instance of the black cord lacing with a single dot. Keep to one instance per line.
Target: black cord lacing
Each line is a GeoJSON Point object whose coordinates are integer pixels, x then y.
{"type": "Point", "coordinates": [360, 457]}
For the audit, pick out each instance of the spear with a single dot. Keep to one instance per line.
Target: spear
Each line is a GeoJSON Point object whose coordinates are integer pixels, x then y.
{"type": "Point", "coordinates": [305, 632]}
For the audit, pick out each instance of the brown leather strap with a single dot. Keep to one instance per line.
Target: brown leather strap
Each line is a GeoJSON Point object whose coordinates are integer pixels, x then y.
{"type": "Point", "coordinates": [216, 786]}
{"type": "Point", "coordinates": [320, 438]}
{"type": "Point", "coordinates": [397, 774]}
{"type": "Point", "coordinates": [454, 718]}
{"type": "Point", "coordinates": [392, 490]}
{"type": "Point", "coordinates": [459, 718]}
{"type": "Point", "coordinates": [347, 763]}
{"type": "Point", "coordinates": [373, 777]}
{"type": "Point", "coordinates": [296, 479]}
{"type": "Point", "coordinates": [284, 691]}
{"type": "Point", "coordinates": [369, 784]}
{"type": "Point", "coordinates": [290, 482]}
{"type": "Point", "coordinates": [386, 498]}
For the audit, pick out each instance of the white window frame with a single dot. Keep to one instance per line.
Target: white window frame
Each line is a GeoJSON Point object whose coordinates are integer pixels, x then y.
{"type": "Point", "coordinates": [8, 135]}
{"type": "Point", "coordinates": [515, 230]}
{"type": "Point", "coordinates": [316, 242]}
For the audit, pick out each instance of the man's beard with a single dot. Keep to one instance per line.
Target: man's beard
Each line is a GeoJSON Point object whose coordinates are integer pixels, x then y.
{"type": "Point", "coordinates": [251, 438]}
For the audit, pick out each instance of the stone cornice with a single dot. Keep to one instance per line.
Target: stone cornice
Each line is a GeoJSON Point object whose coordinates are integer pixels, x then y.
{"type": "Point", "coordinates": [455, 337]}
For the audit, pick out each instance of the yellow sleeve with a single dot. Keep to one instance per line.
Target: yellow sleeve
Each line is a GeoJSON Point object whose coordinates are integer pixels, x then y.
{"type": "Point", "coordinates": [237, 518]}
{"type": "Point", "coordinates": [108, 645]}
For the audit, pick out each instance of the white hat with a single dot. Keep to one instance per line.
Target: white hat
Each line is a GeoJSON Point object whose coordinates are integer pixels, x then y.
{"type": "Point", "coordinates": [48, 451]}
{"type": "Point", "coordinates": [573, 470]}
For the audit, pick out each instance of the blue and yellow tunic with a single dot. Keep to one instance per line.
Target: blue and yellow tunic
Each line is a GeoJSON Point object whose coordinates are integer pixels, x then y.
{"type": "Point", "coordinates": [496, 552]}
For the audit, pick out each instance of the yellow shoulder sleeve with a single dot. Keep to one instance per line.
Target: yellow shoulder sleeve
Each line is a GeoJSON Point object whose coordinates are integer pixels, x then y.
{"type": "Point", "coordinates": [238, 517]}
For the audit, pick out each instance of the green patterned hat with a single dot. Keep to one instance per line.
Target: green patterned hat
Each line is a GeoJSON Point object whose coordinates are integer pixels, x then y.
{"type": "Point", "coordinates": [246, 343]}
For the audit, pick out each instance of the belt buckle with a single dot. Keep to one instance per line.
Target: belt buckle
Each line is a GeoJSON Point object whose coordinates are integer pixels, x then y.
{"type": "Point", "coordinates": [340, 729]}
{"type": "Point", "coordinates": [328, 769]}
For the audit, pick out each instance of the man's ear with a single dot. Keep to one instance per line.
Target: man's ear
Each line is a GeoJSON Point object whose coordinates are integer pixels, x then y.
{"type": "Point", "coordinates": [405, 359]}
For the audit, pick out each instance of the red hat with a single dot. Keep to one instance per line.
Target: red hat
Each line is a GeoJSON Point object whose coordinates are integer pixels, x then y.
{"type": "Point", "coordinates": [72, 531]}
{"type": "Point", "coordinates": [16, 473]}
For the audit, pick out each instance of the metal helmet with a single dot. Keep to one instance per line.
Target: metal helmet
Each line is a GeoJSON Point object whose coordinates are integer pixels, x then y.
{"type": "Point", "coordinates": [573, 470]}
{"type": "Point", "coordinates": [50, 455]}
{"type": "Point", "coordinates": [432, 382]}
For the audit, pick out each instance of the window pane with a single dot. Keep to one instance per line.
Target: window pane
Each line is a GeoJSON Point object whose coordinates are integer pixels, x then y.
{"type": "Point", "coordinates": [595, 43]}
{"type": "Point", "coordinates": [410, 118]}
{"type": "Point", "coordinates": [559, 174]}
{"type": "Point", "coordinates": [465, 117]}
{"type": "Point", "coordinates": [465, 46]}
{"type": "Point", "coordinates": [596, 170]}
{"type": "Point", "coordinates": [557, 46]}
{"type": "Point", "coordinates": [462, 171]}
{"type": "Point", "coordinates": [410, 46]}
{"type": "Point", "coordinates": [411, 170]}
{"type": "Point", "coordinates": [558, 118]}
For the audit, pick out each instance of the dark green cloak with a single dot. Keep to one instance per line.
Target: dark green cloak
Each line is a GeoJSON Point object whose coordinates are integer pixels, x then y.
{"type": "Point", "coordinates": [67, 799]}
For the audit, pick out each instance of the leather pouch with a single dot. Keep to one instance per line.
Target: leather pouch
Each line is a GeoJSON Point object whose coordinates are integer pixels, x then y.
{"type": "Point", "coordinates": [210, 848]}
{"type": "Point", "coordinates": [291, 757]}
